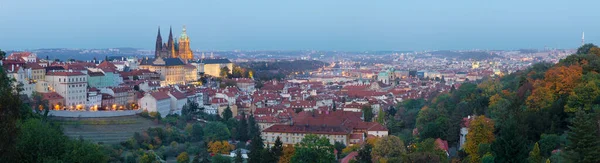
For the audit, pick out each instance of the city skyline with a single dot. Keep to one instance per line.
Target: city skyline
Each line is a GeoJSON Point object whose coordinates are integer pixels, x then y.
{"type": "Point", "coordinates": [307, 25]}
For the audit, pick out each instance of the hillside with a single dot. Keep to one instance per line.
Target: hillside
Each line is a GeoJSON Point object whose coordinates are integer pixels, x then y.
{"type": "Point", "coordinates": [535, 114]}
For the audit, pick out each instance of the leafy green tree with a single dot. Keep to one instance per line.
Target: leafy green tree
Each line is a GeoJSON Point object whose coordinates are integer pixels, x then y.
{"type": "Point", "coordinates": [583, 141]}
{"type": "Point", "coordinates": [220, 159]}
{"type": "Point", "coordinates": [242, 129]}
{"type": "Point", "coordinates": [428, 151]}
{"type": "Point", "coordinates": [367, 113]}
{"type": "Point", "coordinates": [388, 147]}
{"type": "Point", "coordinates": [534, 155]}
{"type": "Point", "coordinates": [487, 158]}
{"type": "Point", "coordinates": [548, 143]}
{"type": "Point", "coordinates": [585, 49]}
{"type": "Point", "coordinates": [216, 131]}
{"type": "Point", "coordinates": [364, 154]}
{"type": "Point", "coordinates": [183, 157]}
{"type": "Point", "coordinates": [197, 132]}
{"type": "Point", "coordinates": [314, 149]}
{"type": "Point", "coordinates": [10, 113]}
{"type": "Point", "coordinates": [227, 114]}
{"type": "Point", "coordinates": [339, 146]}
{"type": "Point", "coordinates": [147, 158]}
{"type": "Point", "coordinates": [510, 145]}
{"type": "Point", "coordinates": [381, 117]}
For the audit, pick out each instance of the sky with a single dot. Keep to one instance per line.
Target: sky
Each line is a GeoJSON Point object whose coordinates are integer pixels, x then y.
{"type": "Point", "coordinates": [344, 25]}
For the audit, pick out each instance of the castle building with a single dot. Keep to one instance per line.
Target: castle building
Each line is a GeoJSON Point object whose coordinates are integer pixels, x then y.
{"type": "Point", "coordinates": [171, 49]}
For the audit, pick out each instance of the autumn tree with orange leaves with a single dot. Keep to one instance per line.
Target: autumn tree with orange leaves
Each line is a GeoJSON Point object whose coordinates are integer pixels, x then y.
{"type": "Point", "coordinates": [557, 81]}
{"type": "Point", "coordinates": [481, 131]}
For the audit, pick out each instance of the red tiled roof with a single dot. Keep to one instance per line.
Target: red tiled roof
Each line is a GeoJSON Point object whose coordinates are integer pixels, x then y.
{"type": "Point", "coordinates": [178, 95]}
{"type": "Point", "coordinates": [51, 96]}
{"type": "Point", "coordinates": [121, 89]}
{"type": "Point", "coordinates": [61, 73]}
{"type": "Point", "coordinates": [106, 64]}
{"type": "Point", "coordinates": [349, 157]}
{"type": "Point", "coordinates": [34, 66]}
{"type": "Point", "coordinates": [160, 95]}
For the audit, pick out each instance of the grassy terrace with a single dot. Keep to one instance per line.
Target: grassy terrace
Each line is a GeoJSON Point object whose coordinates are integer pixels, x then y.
{"type": "Point", "coordinates": [110, 130]}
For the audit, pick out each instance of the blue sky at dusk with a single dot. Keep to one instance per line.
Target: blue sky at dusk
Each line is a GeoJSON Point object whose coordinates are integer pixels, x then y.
{"type": "Point", "coordinates": [300, 24]}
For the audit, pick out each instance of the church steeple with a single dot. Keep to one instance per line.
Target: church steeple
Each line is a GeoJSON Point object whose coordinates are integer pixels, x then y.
{"type": "Point", "coordinates": [171, 44]}
{"type": "Point", "coordinates": [158, 47]}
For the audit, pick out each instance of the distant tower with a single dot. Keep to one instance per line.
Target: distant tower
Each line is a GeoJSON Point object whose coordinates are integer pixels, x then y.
{"type": "Point", "coordinates": [185, 52]}
{"type": "Point", "coordinates": [212, 56]}
{"type": "Point", "coordinates": [158, 47]}
{"type": "Point", "coordinates": [583, 39]}
{"type": "Point", "coordinates": [203, 56]}
{"type": "Point", "coordinates": [171, 44]}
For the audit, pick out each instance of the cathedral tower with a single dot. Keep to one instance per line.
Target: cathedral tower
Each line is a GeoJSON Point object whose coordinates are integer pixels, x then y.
{"type": "Point", "coordinates": [185, 52]}
{"type": "Point", "coordinates": [171, 44]}
{"type": "Point", "coordinates": [159, 43]}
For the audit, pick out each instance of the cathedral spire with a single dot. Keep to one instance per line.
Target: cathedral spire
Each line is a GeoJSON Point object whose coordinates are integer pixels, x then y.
{"type": "Point", "coordinates": [158, 47]}
{"type": "Point", "coordinates": [171, 44]}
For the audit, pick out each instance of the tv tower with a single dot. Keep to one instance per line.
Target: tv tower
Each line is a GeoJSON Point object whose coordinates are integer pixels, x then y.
{"type": "Point", "coordinates": [583, 39]}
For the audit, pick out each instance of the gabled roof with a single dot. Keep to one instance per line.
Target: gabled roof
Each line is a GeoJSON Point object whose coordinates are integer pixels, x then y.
{"type": "Point", "coordinates": [178, 95]}
{"type": "Point", "coordinates": [160, 95]}
{"type": "Point", "coordinates": [106, 64]}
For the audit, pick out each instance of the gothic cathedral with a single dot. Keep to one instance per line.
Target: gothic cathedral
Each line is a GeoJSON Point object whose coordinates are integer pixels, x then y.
{"type": "Point", "coordinates": [172, 49]}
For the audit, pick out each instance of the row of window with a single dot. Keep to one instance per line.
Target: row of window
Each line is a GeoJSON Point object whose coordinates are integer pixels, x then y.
{"type": "Point", "coordinates": [80, 79]}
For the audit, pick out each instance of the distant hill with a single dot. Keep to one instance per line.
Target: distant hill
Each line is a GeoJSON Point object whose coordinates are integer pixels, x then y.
{"type": "Point", "coordinates": [477, 55]}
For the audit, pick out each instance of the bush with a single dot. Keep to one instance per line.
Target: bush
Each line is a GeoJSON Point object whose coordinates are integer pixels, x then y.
{"type": "Point", "coordinates": [183, 158]}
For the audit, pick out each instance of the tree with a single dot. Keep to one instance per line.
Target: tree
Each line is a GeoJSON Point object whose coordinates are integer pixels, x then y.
{"type": "Point", "coordinates": [481, 131]}
{"type": "Point", "coordinates": [238, 156]}
{"type": "Point", "coordinates": [364, 154]}
{"type": "Point", "coordinates": [183, 158]}
{"type": "Point", "coordinates": [381, 117]}
{"type": "Point", "coordinates": [242, 129]}
{"type": "Point", "coordinates": [277, 149]}
{"type": "Point", "coordinates": [147, 158]}
{"type": "Point", "coordinates": [487, 158]}
{"type": "Point", "coordinates": [427, 151]}
{"type": "Point", "coordinates": [510, 145]}
{"type": "Point", "coordinates": [256, 150]}
{"type": "Point", "coordinates": [216, 131]}
{"type": "Point", "coordinates": [224, 73]}
{"type": "Point", "coordinates": [253, 129]}
{"type": "Point", "coordinates": [197, 133]}
{"type": "Point", "coordinates": [548, 143]}
{"type": "Point", "coordinates": [227, 114]}
{"type": "Point", "coordinates": [10, 113]}
{"type": "Point", "coordinates": [338, 146]}
{"type": "Point", "coordinates": [220, 159]}
{"type": "Point", "coordinates": [585, 49]}
{"type": "Point", "coordinates": [220, 147]}
{"type": "Point", "coordinates": [314, 149]}
{"type": "Point", "coordinates": [388, 147]}
{"type": "Point", "coordinates": [583, 141]}
{"type": "Point", "coordinates": [534, 155]}
{"type": "Point", "coordinates": [288, 153]}
{"type": "Point", "coordinates": [367, 113]}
